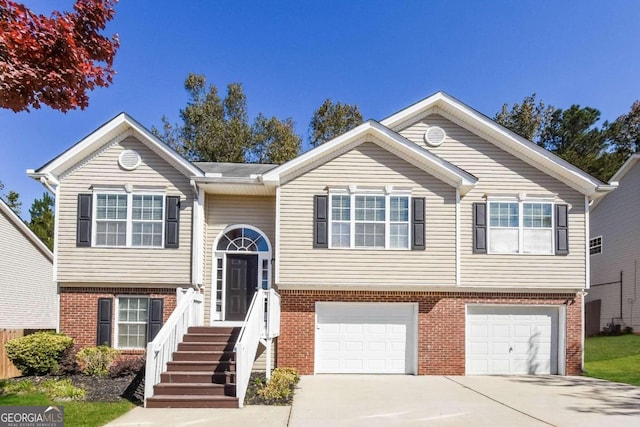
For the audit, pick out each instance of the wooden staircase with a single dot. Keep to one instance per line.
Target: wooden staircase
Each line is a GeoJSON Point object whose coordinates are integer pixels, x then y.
{"type": "Point", "coordinates": [202, 373]}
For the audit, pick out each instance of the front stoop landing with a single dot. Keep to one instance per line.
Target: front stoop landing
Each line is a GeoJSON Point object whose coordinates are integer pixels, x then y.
{"type": "Point", "coordinates": [202, 373]}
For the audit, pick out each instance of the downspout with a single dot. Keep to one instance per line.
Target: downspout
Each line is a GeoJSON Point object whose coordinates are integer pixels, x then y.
{"type": "Point", "coordinates": [621, 319]}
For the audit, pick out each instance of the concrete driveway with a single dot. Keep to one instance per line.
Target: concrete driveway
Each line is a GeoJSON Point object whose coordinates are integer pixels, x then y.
{"type": "Point", "coordinates": [366, 400]}
{"type": "Point", "coordinates": [404, 400]}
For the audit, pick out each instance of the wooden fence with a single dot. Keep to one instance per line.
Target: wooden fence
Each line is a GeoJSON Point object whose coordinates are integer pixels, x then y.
{"type": "Point", "coordinates": [7, 370]}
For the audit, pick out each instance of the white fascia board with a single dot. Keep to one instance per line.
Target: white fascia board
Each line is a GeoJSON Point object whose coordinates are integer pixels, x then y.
{"type": "Point", "coordinates": [586, 184]}
{"type": "Point", "coordinates": [456, 176]}
{"type": "Point", "coordinates": [626, 167]}
{"type": "Point", "coordinates": [103, 134]}
{"type": "Point", "coordinates": [22, 227]}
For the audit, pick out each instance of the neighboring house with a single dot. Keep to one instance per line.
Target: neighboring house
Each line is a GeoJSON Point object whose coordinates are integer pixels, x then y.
{"type": "Point", "coordinates": [615, 253]}
{"type": "Point", "coordinates": [28, 294]}
{"type": "Point", "coordinates": [432, 242]}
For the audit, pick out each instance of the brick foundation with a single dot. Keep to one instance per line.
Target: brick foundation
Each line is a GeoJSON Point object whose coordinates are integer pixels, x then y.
{"type": "Point", "coordinates": [441, 325]}
{"type": "Point", "coordinates": [79, 310]}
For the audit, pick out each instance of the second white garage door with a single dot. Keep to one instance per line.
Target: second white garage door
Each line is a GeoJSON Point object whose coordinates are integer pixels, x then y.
{"type": "Point", "coordinates": [512, 340]}
{"type": "Point", "coordinates": [372, 338]}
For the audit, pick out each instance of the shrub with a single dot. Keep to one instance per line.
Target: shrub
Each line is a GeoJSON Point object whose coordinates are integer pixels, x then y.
{"type": "Point", "coordinates": [279, 389]}
{"type": "Point", "coordinates": [68, 364]}
{"type": "Point", "coordinates": [126, 367]}
{"type": "Point", "coordinates": [95, 361]}
{"type": "Point", "coordinates": [39, 353]}
{"type": "Point", "coordinates": [19, 387]}
{"type": "Point", "coordinates": [61, 390]}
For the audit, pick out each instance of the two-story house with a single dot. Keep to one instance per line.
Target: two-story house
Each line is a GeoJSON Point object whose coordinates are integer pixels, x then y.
{"type": "Point", "coordinates": [432, 242]}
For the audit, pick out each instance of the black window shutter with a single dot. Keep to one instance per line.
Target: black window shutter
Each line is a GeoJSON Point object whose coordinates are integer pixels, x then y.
{"type": "Point", "coordinates": [172, 222]}
{"type": "Point", "coordinates": [104, 321]}
{"type": "Point", "coordinates": [83, 228]}
{"type": "Point", "coordinates": [320, 221]}
{"type": "Point", "coordinates": [155, 318]}
{"type": "Point", "coordinates": [479, 228]}
{"type": "Point", "coordinates": [562, 230]}
{"type": "Point", "coordinates": [418, 224]}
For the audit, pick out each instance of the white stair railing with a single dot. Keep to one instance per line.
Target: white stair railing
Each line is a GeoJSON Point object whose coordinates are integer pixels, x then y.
{"type": "Point", "coordinates": [247, 344]}
{"type": "Point", "coordinates": [188, 312]}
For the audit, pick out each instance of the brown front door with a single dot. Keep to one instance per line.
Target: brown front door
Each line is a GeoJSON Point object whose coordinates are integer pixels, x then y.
{"type": "Point", "coordinates": [242, 281]}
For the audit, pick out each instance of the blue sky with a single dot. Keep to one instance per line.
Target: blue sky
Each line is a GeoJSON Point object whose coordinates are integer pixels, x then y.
{"type": "Point", "coordinates": [381, 55]}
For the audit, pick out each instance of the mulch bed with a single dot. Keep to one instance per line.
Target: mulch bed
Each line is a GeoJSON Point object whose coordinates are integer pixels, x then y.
{"type": "Point", "coordinates": [101, 389]}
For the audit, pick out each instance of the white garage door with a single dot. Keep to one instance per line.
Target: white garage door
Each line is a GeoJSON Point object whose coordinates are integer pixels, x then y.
{"type": "Point", "coordinates": [512, 340]}
{"type": "Point", "coordinates": [365, 338]}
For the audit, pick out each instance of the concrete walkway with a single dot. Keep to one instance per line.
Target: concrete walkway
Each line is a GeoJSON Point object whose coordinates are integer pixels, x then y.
{"type": "Point", "coordinates": [403, 400]}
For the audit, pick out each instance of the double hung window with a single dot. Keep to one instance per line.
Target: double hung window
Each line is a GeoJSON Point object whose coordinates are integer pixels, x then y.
{"type": "Point", "coordinates": [133, 317]}
{"type": "Point", "coordinates": [129, 219]}
{"type": "Point", "coordinates": [521, 227]}
{"type": "Point", "coordinates": [379, 221]}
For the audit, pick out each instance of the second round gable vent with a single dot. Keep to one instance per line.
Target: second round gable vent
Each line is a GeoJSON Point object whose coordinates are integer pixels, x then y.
{"type": "Point", "coordinates": [435, 136]}
{"type": "Point", "coordinates": [129, 160]}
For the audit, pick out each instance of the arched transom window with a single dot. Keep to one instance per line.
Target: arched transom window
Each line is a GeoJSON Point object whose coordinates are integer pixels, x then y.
{"type": "Point", "coordinates": [244, 240]}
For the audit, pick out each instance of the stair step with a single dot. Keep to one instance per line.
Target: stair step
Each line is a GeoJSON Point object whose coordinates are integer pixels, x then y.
{"type": "Point", "coordinates": [194, 389]}
{"type": "Point", "coordinates": [206, 346]}
{"type": "Point", "coordinates": [201, 365]}
{"type": "Point", "coordinates": [192, 401]}
{"type": "Point", "coordinates": [197, 356]}
{"type": "Point", "coordinates": [210, 338]}
{"type": "Point", "coordinates": [229, 330]}
{"type": "Point", "coordinates": [190, 377]}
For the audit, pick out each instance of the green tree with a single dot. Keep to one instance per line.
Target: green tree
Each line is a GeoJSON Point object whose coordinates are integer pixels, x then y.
{"type": "Point", "coordinates": [14, 202]}
{"type": "Point", "coordinates": [527, 119]}
{"type": "Point", "coordinates": [332, 120]}
{"type": "Point", "coordinates": [573, 135]}
{"type": "Point", "coordinates": [212, 129]}
{"type": "Point", "coordinates": [273, 140]}
{"type": "Point", "coordinates": [43, 219]}
{"type": "Point", "coordinates": [624, 132]}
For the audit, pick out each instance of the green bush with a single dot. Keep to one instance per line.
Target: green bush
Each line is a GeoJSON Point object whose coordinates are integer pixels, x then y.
{"type": "Point", "coordinates": [95, 361]}
{"type": "Point", "coordinates": [38, 353]}
{"type": "Point", "coordinates": [61, 390]}
{"type": "Point", "coordinates": [280, 388]}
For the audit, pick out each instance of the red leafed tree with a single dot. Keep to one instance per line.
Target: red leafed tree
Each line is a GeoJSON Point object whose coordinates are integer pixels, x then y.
{"type": "Point", "coordinates": [54, 60]}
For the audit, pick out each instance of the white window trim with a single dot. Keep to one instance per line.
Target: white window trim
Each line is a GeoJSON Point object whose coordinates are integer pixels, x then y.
{"type": "Point", "coordinates": [596, 246]}
{"type": "Point", "coordinates": [353, 193]}
{"type": "Point", "coordinates": [520, 200]}
{"type": "Point", "coordinates": [116, 325]}
{"type": "Point", "coordinates": [129, 220]}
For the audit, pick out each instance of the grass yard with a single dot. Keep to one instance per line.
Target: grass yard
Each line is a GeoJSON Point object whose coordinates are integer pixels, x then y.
{"type": "Point", "coordinates": [78, 413]}
{"type": "Point", "coordinates": [613, 358]}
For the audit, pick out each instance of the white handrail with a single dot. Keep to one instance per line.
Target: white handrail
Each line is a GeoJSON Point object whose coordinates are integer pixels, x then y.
{"type": "Point", "coordinates": [188, 312]}
{"type": "Point", "coordinates": [247, 344]}
{"type": "Point", "coordinates": [273, 314]}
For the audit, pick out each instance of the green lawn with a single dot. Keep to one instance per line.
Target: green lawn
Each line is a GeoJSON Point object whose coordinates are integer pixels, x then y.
{"type": "Point", "coordinates": [76, 413]}
{"type": "Point", "coordinates": [613, 358]}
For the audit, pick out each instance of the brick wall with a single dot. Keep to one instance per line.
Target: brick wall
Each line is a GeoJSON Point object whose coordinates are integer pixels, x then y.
{"type": "Point", "coordinates": [441, 325]}
{"type": "Point", "coordinates": [79, 310]}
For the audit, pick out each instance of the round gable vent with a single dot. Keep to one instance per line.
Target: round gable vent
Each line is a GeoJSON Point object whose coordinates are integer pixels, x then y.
{"type": "Point", "coordinates": [434, 136]}
{"type": "Point", "coordinates": [129, 160]}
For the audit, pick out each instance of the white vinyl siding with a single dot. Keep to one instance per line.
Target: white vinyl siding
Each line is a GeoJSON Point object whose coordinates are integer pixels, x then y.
{"type": "Point", "coordinates": [366, 165]}
{"type": "Point", "coordinates": [501, 172]}
{"type": "Point", "coordinates": [28, 294]}
{"type": "Point", "coordinates": [140, 265]}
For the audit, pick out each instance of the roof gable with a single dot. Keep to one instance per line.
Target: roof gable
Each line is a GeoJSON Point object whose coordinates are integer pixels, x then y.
{"type": "Point", "coordinates": [115, 129]}
{"type": "Point", "coordinates": [481, 125]}
{"type": "Point", "coordinates": [624, 169]}
{"type": "Point", "coordinates": [26, 231]}
{"type": "Point", "coordinates": [386, 138]}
